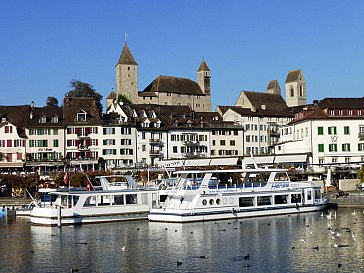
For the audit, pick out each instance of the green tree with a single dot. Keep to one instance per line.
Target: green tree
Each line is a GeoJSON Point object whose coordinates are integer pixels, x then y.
{"type": "Point", "coordinates": [123, 99]}
{"type": "Point", "coordinates": [52, 101]}
{"type": "Point", "coordinates": [84, 90]}
{"type": "Point", "coordinates": [360, 174]}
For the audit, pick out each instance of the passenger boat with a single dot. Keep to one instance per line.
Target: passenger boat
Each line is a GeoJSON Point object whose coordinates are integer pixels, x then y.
{"type": "Point", "coordinates": [116, 202]}
{"type": "Point", "coordinates": [260, 192]}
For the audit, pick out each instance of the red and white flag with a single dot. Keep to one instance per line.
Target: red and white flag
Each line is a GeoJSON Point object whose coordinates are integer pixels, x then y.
{"type": "Point", "coordinates": [89, 186]}
{"type": "Point", "coordinates": [65, 178]}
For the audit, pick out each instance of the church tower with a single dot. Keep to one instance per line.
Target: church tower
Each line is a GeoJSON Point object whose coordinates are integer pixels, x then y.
{"type": "Point", "coordinates": [274, 88]}
{"type": "Point", "coordinates": [127, 76]}
{"type": "Point", "coordinates": [203, 74]}
{"type": "Point", "coordinates": [295, 88]}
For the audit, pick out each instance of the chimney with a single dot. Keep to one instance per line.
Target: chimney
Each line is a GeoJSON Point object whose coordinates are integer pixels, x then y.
{"type": "Point", "coordinates": [253, 109]}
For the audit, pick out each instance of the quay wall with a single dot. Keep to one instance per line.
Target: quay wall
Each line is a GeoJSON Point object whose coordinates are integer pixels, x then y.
{"type": "Point", "coordinates": [348, 184]}
{"type": "Point", "coordinates": [352, 200]}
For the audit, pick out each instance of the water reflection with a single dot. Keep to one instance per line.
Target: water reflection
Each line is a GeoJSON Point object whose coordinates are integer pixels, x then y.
{"type": "Point", "coordinates": [290, 243]}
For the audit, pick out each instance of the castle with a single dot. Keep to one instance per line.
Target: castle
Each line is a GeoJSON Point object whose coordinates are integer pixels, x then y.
{"type": "Point", "coordinates": [163, 90]}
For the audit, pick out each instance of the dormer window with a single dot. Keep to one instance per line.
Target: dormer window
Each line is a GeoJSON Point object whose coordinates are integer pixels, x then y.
{"type": "Point", "coordinates": [3, 119]}
{"type": "Point", "coordinates": [81, 116]}
{"type": "Point", "coordinates": [42, 119]}
{"type": "Point", "coordinates": [143, 114]}
{"type": "Point", "coordinates": [54, 119]}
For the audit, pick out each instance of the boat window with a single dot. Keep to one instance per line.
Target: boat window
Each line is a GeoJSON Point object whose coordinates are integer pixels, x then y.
{"type": "Point", "coordinates": [204, 202]}
{"type": "Point", "coordinates": [296, 198]}
{"type": "Point", "coordinates": [309, 195]}
{"type": "Point", "coordinates": [281, 177]}
{"type": "Point", "coordinates": [131, 198]}
{"type": "Point", "coordinates": [264, 200]}
{"type": "Point", "coordinates": [218, 201]}
{"type": "Point", "coordinates": [317, 194]}
{"type": "Point", "coordinates": [90, 201]}
{"type": "Point", "coordinates": [281, 199]}
{"type": "Point", "coordinates": [211, 202]}
{"type": "Point", "coordinates": [246, 201]}
{"type": "Point", "coordinates": [119, 199]}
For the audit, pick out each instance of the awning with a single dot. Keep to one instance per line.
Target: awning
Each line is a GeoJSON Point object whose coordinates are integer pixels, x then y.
{"type": "Point", "coordinates": [11, 164]}
{"type": "Point", "coordinates": [259, 160]}
{"type": "Point", "coordinates": [291, 159]}
{"type": "Point", "coordinates": [198, 162]}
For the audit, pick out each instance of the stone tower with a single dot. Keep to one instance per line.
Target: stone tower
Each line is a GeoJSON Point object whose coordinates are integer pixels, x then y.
{"type": "Point", "coordinates": [127, 76]}
{"type": "Point", "coordinates": [295, 88]}
{"type": "Point", "coordinates": [203, 74]}
{"type": "Point", "coordinates": [273, 87]}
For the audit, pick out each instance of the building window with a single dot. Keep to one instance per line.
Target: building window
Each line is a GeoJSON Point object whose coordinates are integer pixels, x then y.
{"type": "Point", "coordinates": [42, 119]}
{"type": "Point", "coordinates": [361, 129]}
{"type": "Point", "coordinates": [321, 161]}
{"type": "Point", "coordinates": [292, 92]}
{"type": "Point", "coordinates": [346, 147]}
{"type": "Point", "coordinates": [175, 149]}
{"type": "Point", "coordinates": [334, 160]}
{"type": "Point", "coordinates": [143, 135]}
{"type": "Point", "coordinates": [347, 159]}
{"type": "Point", "coordinates": [213, 143]}
{"type": "Point", "coordinates": [360, 147]}
{"type": "Point", "coordinates": [232, 142]}
{"type": "Point", "coordinates": [143, 148]}
{"type": "Point", "coordinates": [301, 91]}
{"type": "Point", "coordinates": [55, 132]}
{"type": "Point", "coordinates": [332, 130]}
{"type": "Point", "coordinates": [346, 130]}
{"type": "Point", "coordinates": [81, 116]}
{"type": "Point", "coordinates": [222, 142]}
{"type": "Point", "coordinates": [55, 143]}
{"type": "Point", "coordinates": [332, 147]}
{"type": "Point", "coordinates": [8, 129]}
{"type": "Point", "coordinates": [321, 148]}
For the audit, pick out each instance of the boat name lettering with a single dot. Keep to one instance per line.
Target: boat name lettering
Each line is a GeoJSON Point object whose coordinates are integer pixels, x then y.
{"type": "Point", "coordinates": [280, 185]}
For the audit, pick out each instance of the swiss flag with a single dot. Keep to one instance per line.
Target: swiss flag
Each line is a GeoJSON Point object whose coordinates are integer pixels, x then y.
{"type": "Point", "coordinates": [65, 178]}
{"type": "Point", "coordinates": [89, 186]}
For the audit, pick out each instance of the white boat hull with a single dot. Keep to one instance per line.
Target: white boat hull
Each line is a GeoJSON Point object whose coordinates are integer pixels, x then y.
{"type": "Point", "coordinates": [184, 216]}
{"type": "Point", "coordinates": [49, 216]}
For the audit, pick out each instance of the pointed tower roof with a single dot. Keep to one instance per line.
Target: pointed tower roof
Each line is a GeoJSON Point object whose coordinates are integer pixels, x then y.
{"type": "Point", "coordinates": [273, 84]}
{"type": "Point", "coordinates": [293, 75]}
{"type": "Point", "coordinates": [126, 57]}
{"type": "Point", "coordinates": [203, 66]}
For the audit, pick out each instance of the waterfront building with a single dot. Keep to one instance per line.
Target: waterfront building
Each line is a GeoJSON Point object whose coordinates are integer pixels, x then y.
{"type": "Point", "coordinates": [45, 139]}
{"type": "Point", "coordinates": [331, 132]}
{"type": "Point", "coordinates": [83, 135]}
{"type": "Point", "coordinates": [12, 137]}
{"type": "Point", "coordinates": [163, 90]}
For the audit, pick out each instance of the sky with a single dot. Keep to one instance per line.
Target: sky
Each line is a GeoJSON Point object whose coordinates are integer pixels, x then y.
{"type": "Point", "coordinates": [45, 44]}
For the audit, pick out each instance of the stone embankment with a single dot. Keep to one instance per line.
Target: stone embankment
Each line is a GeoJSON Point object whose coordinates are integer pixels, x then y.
{"type": "Point", "coordinates": [14, 202]}
{"type": "Point", "coordinates": [346, 199]}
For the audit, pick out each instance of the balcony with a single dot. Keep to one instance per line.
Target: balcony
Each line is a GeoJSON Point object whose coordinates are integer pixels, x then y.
{"type": "Point", "coordinates": [83, 147]}
{"type": "Point", "coordinates": [155, 142]}
{"type": "Point", "coordinates": [192, 143]}
{"type": "Point", "coordinates": [154, 152]}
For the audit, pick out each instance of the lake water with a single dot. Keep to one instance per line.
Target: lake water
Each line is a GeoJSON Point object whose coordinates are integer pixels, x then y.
{"type": "Point", "coordinates": [275, 244]}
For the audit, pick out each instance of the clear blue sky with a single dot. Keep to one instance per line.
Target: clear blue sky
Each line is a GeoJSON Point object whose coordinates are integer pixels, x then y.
{"type": "Point", "coordinates": [46, 44]}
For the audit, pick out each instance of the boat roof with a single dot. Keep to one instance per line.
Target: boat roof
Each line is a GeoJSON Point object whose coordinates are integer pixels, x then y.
{"type": "Point", "coordinates": [98, 192]}
{"type": "Point", "coordinates": [232, 171]}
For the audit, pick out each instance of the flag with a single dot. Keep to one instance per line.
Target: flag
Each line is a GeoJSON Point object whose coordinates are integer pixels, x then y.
{"type": "Point", "coordinates": [65, 178]}
{"type": "Point", "coordinates": [89, 186]}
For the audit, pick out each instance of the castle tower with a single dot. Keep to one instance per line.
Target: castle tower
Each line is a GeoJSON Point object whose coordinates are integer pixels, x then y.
{"type": "Point", "coordinates": [295, 88]}
{"type": "Point", "coordinates": [203, 74]}
{"type": "Point", "coordinates": [274, 88]}
{"type": "Point", "coordinates": [127, 76]}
